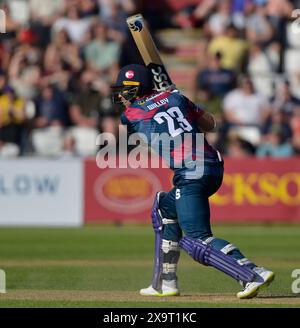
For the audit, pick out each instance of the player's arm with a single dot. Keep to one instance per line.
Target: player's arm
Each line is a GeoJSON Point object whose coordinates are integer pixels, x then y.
{"type": "Point", "coordinates": [206, 121]}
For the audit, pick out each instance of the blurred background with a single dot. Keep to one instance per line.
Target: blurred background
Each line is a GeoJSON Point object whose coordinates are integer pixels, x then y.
{"type": "Point", "coordinates": [239, 58]}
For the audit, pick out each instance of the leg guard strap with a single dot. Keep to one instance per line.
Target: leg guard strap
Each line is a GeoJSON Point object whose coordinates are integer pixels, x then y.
{"type": "Point", "coordinates": [207, 255]}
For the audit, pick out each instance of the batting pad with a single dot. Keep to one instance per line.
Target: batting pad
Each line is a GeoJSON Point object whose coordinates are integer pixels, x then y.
{"type": "Point", "coordinates": [207, 255]}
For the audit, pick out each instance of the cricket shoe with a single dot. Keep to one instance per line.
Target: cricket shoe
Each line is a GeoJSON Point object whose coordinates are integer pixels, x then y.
{"type": "Point", "coordinates": [251, 289]}
{"type": "Point", "coordinates": [169, 288]}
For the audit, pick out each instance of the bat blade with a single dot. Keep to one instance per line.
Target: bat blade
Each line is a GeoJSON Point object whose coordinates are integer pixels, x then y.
{"type": "Point", "coordinates": [149, 52]}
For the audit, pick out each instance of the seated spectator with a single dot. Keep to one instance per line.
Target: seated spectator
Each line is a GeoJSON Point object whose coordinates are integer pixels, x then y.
{"type": "Point", "coordinates": [240, 10]}
{"type": "Point", "coordinates": [274, 145]}
{"type": "Point", "coordinates": [279, 11]}
{"type": "Point", "coordinates": [222, 18]}
{"type": "Point", "coordinates": [284, 100]}
{"type": "Point", "coordinates": [12, 119]}
{"type": "Point", "coordinates": [49, 123]}
{"type": "Point", "coordinates": [232, 48]}
{"type": "Point", "coordinates": [101, 53]}
{"type": "Point", "coordinates": [258, 28]}
{"type": "Point", "coordinates": [62, 50]}
{"type": "Point", "coordinates": [75, 26]}
{"type": "Point", "coordinates": [213, 83]}
{"type": "Point", "coordinates": [115, 20]}
{"type": "Point", "coordinates": [262, 64]}
{"type": "Point", "coordinates": [245, 106]}
{"type": "Point", "coordinates": [279, 120]}
{"type": "Point", "coordinates": [245, 111]}
{"type": "Point", "coordinates": [88, 8]}
{"type": "Point", "coordinates": [91, 112]}
{"type": "Point", "coordinates": [43, 17]}
{"type": "Point", "coordinates": [127, 6]}
{"type": "Point", "coordinates": [25, 69]}
{"type": "Point", "coordinates": [236, 147]}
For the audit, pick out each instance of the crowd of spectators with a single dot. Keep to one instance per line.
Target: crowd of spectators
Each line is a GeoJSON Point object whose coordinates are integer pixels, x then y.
{"type": "Point", "coordinates": [59, 57]}
{"type": "Point", "coordinates": [243, 79]}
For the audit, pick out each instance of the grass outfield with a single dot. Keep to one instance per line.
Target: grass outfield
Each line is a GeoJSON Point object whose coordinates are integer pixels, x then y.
{"type": "Point", "coordinates": [105, 266]}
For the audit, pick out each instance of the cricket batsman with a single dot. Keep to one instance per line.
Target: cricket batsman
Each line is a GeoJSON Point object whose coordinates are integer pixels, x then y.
{"type": "Point", "coordinates": [181, 217]}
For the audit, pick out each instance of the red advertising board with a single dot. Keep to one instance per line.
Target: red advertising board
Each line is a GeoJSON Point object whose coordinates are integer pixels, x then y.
{"type": "Point", "coordinates": [258, 190]}
{"type": "Point", "coordinates": [252, 190]}
{"type": "Point", "coordinates": [122, 194]}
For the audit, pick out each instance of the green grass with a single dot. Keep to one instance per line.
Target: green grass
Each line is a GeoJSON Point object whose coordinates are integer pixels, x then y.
{"type": "Point", "coordinates": [105, 266]}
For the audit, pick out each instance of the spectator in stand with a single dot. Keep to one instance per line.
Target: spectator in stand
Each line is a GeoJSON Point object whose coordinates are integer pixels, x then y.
{"type": "Point", "coordinates": [73, 24]}
{"type": "Point", "coordinates": [102, 54]}
{"type": "Point", "coordinates": [115, 20]}
{"type": "Point", "coordinates": [274, 145]}
{"type": "Point", "coordinates": [25, 65]}
{"type": "Point", "coordinates": [245, 111]}
{"type": "Point", "coordinates": [278, 11]}
{"type": "Point", "coordinates": [262, 64]}
{"type": "Point", "coordinates": [126, 6]}
{"type": "Point", "coordinates": [258, 27]}
{"type": "Point", "coordinates": [88, 8]}
{"type": "Point", "coordinates": [244, 106]}
{"type": "Point", "coordinates": [62, 50]}
{"type": "Point", "coordinates": [12, 119]}
{"type": "Point", "coordinates": [43, 17]}
{"type": "Point", "coordinates": [213, 83]}
{"type": "Point", "coordinates": [280, 121]}
{"type": "Point", "coordinates": [236, 147]}
{"type": "Point", "coordinates": [49, 123]}
{"type": "Point", "coordinates": [285, 101]}
{"type": "Point", "coordinates": [91, 111]}
{"type": "Point", "coordinates": [222, 18]}
{"type": "Point", "coordinates": [232, 48]}
{"type": "Point", "coordinates": [240, 11]}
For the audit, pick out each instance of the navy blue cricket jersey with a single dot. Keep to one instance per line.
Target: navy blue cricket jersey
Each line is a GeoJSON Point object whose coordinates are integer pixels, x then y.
{"type": "Point", "coordinates": [173, 114]}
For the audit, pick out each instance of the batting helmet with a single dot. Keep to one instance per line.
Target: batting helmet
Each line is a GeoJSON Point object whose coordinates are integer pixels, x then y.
{"type": "Point", "coordinates": [133, 80]}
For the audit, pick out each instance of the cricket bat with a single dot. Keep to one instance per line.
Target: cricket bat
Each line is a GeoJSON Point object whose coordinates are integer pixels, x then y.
{"type": "Point", "coordinates": [149, 52]}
